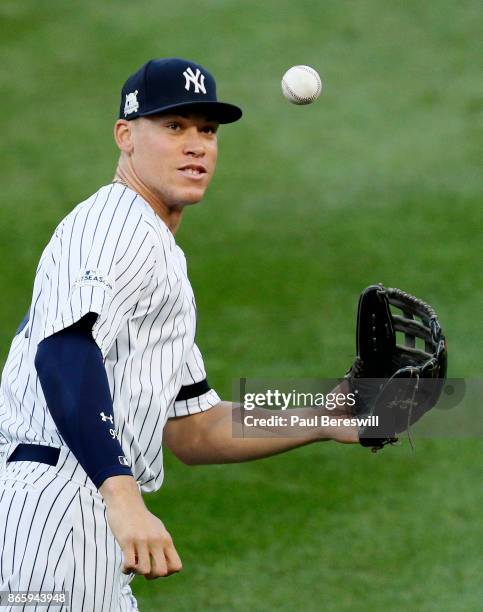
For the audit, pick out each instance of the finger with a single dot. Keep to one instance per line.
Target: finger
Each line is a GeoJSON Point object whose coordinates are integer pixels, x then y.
{"type": "Point", "coordinates": [173, 560]}
{"type": "Point", "coordinates": [129, 562]}
{"type": "Point", "coordinates": [159, 566]}
{"type": "Point", "coordinates": [143, 559]}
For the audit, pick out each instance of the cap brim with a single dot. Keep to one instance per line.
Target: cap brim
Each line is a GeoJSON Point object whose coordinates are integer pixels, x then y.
{"type": "Point", "coordinates": [218, 111]}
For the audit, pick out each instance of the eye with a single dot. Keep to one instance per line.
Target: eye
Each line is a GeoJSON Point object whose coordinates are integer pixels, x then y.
{"type": "Point", "coordinates": [210, 129]}
{"type": "Point", "coordinates": [174, 125]}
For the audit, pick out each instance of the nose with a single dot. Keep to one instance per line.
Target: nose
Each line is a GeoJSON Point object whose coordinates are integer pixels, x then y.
{"type": "Point", "coordinates": [194, 144]}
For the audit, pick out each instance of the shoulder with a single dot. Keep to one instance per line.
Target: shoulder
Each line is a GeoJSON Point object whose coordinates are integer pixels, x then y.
{"type": "Point", "coordinates": [113, 212]}
{"type": "Point", "coordinates": [89, 210]}
{"type": "Point", "coordinates": [115, 219]}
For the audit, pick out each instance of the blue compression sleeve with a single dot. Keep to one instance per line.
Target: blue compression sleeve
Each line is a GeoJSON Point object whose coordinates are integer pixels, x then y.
{"type": "Point", "coordinates": [74, 381]}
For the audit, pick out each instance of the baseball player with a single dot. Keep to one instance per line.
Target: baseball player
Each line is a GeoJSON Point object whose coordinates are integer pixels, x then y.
{"type": "Point", "coordinates": [104, 368]}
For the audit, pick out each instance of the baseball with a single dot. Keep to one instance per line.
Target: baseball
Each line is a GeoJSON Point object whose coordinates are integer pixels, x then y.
{"type": "Point", "coordinates": [301, 85]}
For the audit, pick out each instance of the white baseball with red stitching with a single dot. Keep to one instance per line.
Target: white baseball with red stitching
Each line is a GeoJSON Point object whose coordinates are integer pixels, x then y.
{"type": "Point", "coordinates": [301, 85]}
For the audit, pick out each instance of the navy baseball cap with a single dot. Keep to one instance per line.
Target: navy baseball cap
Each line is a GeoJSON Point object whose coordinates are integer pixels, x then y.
{"type": "Point", "coordinates": [173, 83]}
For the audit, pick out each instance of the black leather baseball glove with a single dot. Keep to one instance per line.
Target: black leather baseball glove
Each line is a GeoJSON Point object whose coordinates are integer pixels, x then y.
{"type": "Point", "coordinates": [400, 367]}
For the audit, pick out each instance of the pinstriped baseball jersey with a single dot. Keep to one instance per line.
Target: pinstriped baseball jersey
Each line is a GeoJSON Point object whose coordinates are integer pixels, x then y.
{"type": "Point", "coordinates": [55, 537]}
{"type": "Point", "coordinates": [114, 256]}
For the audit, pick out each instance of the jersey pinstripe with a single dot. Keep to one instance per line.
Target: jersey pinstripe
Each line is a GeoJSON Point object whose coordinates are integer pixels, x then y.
{"type": "Point", "coordinates": [114, 256]}
{"type": "Point", "coordinates": [55, 537]}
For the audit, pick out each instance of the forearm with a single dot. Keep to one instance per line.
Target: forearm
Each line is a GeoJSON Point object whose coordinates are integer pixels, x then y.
{"type": "Point", "coordinates": [74, 381]}
{"type": "Point", "coordinates": [222, 437]}
{"type": "Point", "coordinates": [226, 440]}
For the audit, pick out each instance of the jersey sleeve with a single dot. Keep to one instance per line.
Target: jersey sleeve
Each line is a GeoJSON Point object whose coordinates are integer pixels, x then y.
{"type": "Point", "coordinates": [103, 264]}
{"type": "Point", "coordinates": [195, 394]}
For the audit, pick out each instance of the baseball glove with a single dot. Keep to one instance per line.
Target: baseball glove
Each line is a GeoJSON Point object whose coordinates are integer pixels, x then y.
{"type": "Point", "coordinates": [395, 383]}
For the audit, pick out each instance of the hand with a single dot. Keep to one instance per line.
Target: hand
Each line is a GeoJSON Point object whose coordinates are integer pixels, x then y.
{"type": "Point", "coordinates": [147, 547]}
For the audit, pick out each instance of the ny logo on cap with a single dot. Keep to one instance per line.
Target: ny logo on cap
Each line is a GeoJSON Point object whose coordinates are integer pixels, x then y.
{"type": "Point", "coordinates": [131, 105]}
{"type": "Point", "coordinates": [197, 79]}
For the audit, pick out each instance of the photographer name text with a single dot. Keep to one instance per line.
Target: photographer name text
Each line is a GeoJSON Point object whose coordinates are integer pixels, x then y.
{"type": "Point", "coordinates": [277, 420]}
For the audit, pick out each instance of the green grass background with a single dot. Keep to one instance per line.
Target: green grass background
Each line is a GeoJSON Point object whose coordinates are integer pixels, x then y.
{"type": "Point", "coordinates": [378, 181]}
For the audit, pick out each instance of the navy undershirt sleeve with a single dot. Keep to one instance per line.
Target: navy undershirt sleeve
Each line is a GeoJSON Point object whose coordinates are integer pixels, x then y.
{"type": "Point", "coordinates": [74, 381]}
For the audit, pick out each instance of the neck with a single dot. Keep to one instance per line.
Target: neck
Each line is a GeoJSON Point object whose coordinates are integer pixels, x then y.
{"type": "Point", "coordinates": [170, 216]}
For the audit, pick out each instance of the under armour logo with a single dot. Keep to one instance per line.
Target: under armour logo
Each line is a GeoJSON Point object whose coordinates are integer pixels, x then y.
{"type": "Point", "coordinates": [123, 460]}
{"type": "Point", "coordinates": [107, 418]}
{"type": "Point", "coordinates": [131, 105]}
{"type": "Point", "coordinates": [197, 79]}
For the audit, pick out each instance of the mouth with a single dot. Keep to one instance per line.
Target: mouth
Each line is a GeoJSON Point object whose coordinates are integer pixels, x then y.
{"type": "Point", "coordinates": [193, 171]}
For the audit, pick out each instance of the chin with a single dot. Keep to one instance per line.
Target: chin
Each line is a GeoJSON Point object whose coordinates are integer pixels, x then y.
{"type": "Point", "coordinates": [192, 196]}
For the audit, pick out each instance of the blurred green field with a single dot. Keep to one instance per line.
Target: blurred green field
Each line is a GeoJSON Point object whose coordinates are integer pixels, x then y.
{"type": "Point", "coordinates": [379, 181]}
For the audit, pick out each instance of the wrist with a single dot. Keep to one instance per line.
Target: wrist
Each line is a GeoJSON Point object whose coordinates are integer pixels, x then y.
{"type": "Point", "coordinates": [120, 488]}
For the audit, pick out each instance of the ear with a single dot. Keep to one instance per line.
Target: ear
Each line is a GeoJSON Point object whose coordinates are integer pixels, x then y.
{"type": "Point", "coordinates": [123, 135]}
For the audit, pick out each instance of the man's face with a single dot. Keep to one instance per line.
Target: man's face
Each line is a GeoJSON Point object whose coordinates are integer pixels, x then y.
{"type": "Point", "coordinates": [174, 156]}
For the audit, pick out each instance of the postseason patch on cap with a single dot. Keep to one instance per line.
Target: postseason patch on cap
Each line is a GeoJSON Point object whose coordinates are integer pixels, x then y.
{"type": "Point", "coordinates": [131, 105]}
